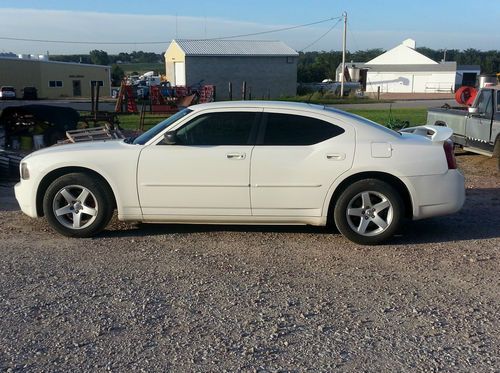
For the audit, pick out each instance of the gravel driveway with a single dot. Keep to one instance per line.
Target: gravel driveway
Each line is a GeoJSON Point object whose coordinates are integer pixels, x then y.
{"type": "Point", "coordinates": [255, 299]}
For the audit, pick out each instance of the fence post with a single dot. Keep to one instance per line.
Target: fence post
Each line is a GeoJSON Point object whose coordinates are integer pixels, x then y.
{"type": "Point", "coordinates": [378, 93]}
{"type": "Point", "coordinates": [230, 87]}
{"type": "Point", "coordinates": [244, 91]}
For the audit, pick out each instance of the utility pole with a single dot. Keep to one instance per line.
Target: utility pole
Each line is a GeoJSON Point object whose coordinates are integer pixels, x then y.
{"type": "Point", "coordinates": [343, 55]}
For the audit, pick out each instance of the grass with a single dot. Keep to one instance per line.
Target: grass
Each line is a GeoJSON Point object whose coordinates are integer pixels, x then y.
{"type": "Point", "coordinates": [131, 121]}
{"type": "Point", "coordinates": [391, 118]}
{"type": "Point", "coordinates": [331, 99]}
{"type": "Point", "coordinates": [415, 116]}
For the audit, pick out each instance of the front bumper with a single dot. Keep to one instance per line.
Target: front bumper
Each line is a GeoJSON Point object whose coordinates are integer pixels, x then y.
{"type": "Point", "coordinates": [26, 197]}
{"type": "Point", "coordinates": [437, 195]}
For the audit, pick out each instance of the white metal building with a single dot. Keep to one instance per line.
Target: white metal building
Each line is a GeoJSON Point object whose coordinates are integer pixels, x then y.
{"type": "Point", "coordinates": [268, 67]}
{"type": "Point", "coordinates": [404, 70]}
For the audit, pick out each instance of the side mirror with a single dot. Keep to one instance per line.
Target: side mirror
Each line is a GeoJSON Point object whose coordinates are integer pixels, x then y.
{"type": "Point", "coordinates": [474, 112]}
{"type": "Point", "coordinates": [170, 138]}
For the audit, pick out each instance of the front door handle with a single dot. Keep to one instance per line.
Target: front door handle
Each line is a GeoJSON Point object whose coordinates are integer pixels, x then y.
{"type": "Point", "coordinates": [335, 156]}
{"type": "Point", "coordinates": [236, 155]}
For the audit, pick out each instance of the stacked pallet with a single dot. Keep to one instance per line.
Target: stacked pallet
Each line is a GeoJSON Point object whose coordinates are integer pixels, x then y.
{"type": "Point", "coordinates": [93, 134]}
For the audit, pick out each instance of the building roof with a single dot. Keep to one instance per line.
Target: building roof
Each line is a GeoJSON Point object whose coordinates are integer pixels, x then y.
{"type": "Point", "coordinates": [450, 66]}
{"type": "Point", "coordinates": [469, 68]}
{"type": "Point", "coordinates": [234, 48]}
{"type": "Point", "coordinates": [53, 62]}
{"type": "Point", "coordinates": [403, 54]}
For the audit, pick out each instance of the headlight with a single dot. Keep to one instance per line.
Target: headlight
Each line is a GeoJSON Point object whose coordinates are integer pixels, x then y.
{"type": "Point", "coordinates": [25, 173]}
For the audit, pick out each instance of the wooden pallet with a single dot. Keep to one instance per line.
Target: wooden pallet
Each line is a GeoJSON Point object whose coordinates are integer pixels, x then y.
{"type": "Point", "coordinates": [93, 134]}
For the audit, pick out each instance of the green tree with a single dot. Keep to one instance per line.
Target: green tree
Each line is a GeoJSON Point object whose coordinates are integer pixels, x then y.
{"type": "Point", "coordinates": [99, 57]}
{"type": "Point", "coordinates": [117, 74]}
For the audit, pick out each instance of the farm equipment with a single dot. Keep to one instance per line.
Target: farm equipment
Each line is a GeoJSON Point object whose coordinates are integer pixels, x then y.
{"type": "Point", "coordinates": [162, 98]}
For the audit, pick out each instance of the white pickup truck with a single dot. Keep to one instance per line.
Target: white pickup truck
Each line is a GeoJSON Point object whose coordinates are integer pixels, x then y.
{"type": "Point", "coordinates": [476, 129]}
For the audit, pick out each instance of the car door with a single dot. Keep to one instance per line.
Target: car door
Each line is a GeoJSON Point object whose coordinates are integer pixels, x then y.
{"type": "Point", "coordinates": [206, 171]}
{"type": "Point", "coordinates": [478, 125]}
{"type": "Point", "coordinates": [296, 160]}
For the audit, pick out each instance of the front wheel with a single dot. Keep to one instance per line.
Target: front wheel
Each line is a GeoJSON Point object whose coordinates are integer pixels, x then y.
{"type": "Point", "coordinates": [368, 212]}
{"type": "Point", "coordinates": [78, 205]}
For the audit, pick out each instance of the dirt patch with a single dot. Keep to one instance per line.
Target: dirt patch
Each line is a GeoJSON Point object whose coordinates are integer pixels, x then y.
{"type": "Point", "coordinates": [268, 299]}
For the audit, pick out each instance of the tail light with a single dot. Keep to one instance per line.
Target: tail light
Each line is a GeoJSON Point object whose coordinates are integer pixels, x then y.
{"type": "Point", "coordinates": [450, 154]}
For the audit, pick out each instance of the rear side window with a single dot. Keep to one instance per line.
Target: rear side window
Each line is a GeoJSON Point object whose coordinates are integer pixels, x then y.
{"type": "Point", "coordinates": [288, 129]}
{"type": "Point", "coordinates": [230, 128]}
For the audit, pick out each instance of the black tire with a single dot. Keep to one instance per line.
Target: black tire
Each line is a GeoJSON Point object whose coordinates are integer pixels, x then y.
{"type": "Point", "coordinates": [81, 214]}
{"type": "Point", "coordinates": [350, 204]}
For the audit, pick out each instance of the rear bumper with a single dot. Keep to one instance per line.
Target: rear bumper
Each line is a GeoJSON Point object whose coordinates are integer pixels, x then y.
{"type": "Point", "coordinates": [437, 195]}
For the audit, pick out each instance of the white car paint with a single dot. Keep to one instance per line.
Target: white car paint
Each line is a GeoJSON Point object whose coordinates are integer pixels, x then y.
{"type": "Point", "coordinates": [253, 184]}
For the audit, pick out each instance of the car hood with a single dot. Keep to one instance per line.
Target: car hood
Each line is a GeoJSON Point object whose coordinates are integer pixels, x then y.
{"type": "Point", "coordinates": [91, 146]}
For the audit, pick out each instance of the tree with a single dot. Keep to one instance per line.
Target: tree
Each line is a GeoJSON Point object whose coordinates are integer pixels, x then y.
{"type": "Point", "coordinates": [117, 74]}
{"type": "Point", "coordinates": [99, 57]}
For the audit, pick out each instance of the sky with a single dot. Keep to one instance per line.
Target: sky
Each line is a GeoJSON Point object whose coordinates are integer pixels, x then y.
{"type": "Point", "coordinates": [438, 24]}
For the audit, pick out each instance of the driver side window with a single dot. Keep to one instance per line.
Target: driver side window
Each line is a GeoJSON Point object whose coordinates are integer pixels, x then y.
{"type": "Point", "coordinates": [229, 128]}
{"type": "Point", "coordinates": [484, 103]}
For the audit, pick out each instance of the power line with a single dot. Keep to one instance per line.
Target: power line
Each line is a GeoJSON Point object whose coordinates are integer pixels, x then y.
{"type": "Point", "coordinates": [322, 36]}
{"type": "Point", "coordinates": [277, 30]}
{"type": "Point", "coordinates": [164, 42]}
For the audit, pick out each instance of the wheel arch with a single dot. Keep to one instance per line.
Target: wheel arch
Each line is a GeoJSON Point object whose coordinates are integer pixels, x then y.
{"type": "Point", "coordinates": [54, 174]}
{"type": "Point", "coordinates": [392, 180]}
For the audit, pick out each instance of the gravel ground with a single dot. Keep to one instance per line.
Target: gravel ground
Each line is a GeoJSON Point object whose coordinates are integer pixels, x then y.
{"type": "Point", "coordinates": [255, 299]}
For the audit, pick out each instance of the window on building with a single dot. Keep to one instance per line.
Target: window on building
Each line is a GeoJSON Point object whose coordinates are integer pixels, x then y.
{"type": "Point", "coordinates": [99, 83]}
{"type": "Point", "coordinates": [286, 129]}
{"type": "Point", "coordinates": [55, 83]}
{"type": "Point", "coordinates": [289, 60]}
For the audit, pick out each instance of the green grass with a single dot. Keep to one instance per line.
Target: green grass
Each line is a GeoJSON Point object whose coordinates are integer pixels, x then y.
{"type": "Point", "coordinates": [131, 121]}
{"type": "Point", "coordinates": [141, 68]}
{"type": "Point", "coordinates": [330, 99]}
{"type": "Point", "coordinates": [415, 116]}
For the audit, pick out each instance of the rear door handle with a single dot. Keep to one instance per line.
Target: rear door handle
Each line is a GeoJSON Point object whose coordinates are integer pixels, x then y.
{"type": "Point", "coordinates": [335, 156]}
{"type": "Point", "coordinates": [236, 155]}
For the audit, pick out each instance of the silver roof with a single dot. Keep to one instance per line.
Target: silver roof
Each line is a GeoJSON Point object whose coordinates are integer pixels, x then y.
{"type": "Point", "coordinates": [439, 67]}
{"type": "Point", "coordinates": [235, 48]}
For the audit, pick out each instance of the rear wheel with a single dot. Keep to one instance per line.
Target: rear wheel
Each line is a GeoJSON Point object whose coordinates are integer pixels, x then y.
{"type": "Point", "coordinates": [368, 212]}
{"type": "Point", "coordinates": [78, 205]}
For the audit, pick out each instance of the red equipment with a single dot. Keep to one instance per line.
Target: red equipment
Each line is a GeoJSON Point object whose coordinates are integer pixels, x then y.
{"type": "Point", "coordinates": [466, 95]}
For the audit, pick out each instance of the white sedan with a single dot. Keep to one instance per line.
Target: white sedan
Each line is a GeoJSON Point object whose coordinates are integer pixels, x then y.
{"type": "Point", "coordinates": [249, 163]}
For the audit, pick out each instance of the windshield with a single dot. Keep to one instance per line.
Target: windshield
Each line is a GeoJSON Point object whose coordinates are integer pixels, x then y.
{"type": "Point", "coordinates": [152, 132]}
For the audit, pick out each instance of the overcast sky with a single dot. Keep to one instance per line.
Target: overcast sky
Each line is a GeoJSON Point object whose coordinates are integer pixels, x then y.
{"type": "Point", "coordinates": [383, 24]}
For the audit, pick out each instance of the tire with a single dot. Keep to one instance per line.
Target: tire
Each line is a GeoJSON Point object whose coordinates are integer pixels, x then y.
{"type": "Point", "coordinates": [369, 212]}
{"type": "Point", "coordinates": [78, 205]}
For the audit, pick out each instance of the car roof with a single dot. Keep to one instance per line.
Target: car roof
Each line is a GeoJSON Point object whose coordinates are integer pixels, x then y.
{"type": "Point", "coordinates": [299, 106]}
{"type": "Point", "coordinates": [257, 103]}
